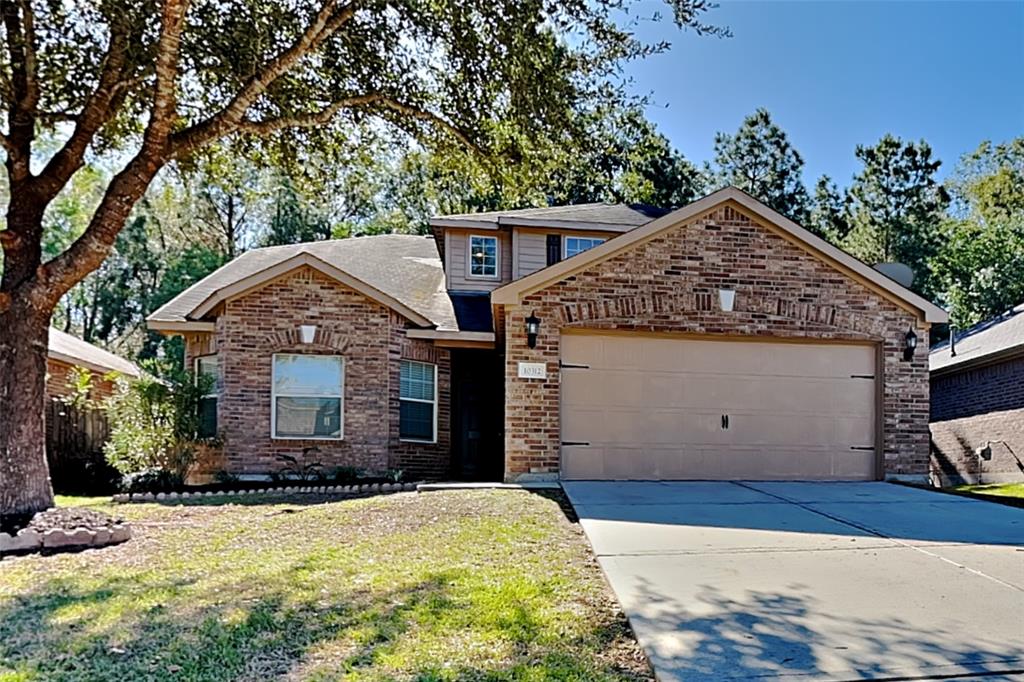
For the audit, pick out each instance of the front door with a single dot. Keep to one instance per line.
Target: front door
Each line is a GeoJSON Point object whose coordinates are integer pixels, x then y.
{"type": "Point", "coordinates": [477, 439]}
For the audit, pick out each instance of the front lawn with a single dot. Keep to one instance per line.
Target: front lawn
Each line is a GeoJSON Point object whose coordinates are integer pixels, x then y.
{"type": "Point", "coordinates": [995, 489]}
{"type": "Point", "coordinates": [459, 585]}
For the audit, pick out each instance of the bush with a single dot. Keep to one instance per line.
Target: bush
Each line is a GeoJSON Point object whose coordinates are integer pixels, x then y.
{"type": "Point", "coordinates": [151, 481]}
{"type": "Point", "coordinates": [155, 425]}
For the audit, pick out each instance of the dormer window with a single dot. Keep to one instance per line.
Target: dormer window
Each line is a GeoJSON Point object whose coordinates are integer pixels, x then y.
{"type": "Point", "coordinates": [483, 256]}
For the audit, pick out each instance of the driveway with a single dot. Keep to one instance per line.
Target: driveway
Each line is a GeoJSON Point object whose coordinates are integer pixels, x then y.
{"type": "Point", "coordinates": [808, 581]}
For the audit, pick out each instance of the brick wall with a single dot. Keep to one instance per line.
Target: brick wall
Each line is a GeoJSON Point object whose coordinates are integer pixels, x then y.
{"type": "Point", "coordinates": [971, 409]}
{"type": "Point", "coordinates": [370, 338]}
{"type": "Point", "coordinates": [58, 374]}
{"type": "Point", "coordinates": [669, 284]}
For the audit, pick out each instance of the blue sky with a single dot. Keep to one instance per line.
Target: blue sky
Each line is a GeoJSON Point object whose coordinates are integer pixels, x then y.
{"type": "Point", "coordinates": [837, 73]}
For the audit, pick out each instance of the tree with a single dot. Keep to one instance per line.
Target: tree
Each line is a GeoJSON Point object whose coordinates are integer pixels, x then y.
{"type": "Point", "coordinates": [292, 222]}
{"type": "Point", "coordinates": [760, 160]}
{"type": "Point", "coordinates": [896, 205]}
{"type": "Point", "coordinates": [978, 265]}
{"type": "Point", "coordinates": [829, 216]}
{"type": "Point", "coordinates": [156, 81]}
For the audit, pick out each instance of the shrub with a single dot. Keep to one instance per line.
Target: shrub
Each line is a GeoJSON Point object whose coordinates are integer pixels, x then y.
{"type": "Point", "coordinates": [155, 425]}
{"type": "Point", "coordinates": [346, 475]}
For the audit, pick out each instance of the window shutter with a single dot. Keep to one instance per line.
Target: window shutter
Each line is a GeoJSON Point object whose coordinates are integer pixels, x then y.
{"type": "Point", "coordinates": [554, 248]}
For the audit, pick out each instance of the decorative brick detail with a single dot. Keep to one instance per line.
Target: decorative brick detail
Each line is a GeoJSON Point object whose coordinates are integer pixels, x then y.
{"type": "Point", "coordinates": [372, 340]}
{"type": "Point", "coordinates": [669, 284]}
{"type": "Point", "coordinates": [971, 409]}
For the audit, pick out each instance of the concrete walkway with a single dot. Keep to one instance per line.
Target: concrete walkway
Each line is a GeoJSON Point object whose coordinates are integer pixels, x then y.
{"type": "Point", "coordinates": [808, 581]}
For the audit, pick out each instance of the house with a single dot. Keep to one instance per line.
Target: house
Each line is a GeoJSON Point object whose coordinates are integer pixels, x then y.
{"type": "Point", "coordinates": [977, 403]}
{"type": "Point", "coordinates": [66, 352]}
{"type": "Point", "coordinates": [717, 341]}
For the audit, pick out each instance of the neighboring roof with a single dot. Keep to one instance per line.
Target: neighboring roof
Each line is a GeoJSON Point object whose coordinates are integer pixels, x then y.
{"type": "Point", "coordinates": [472, 310]}
{"type": "Point", "coordinates": [513, 292]}
{"type": "Point", "coordinates": [987, 341]}
{"type": "Point", "coordinates": [609, 217]}
{"type": "Point", "coordinates": [75, 351]}
{"type": "Point", "coordinates": [402, 272]}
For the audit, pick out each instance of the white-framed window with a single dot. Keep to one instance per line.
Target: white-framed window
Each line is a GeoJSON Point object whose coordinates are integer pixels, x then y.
{"type": "Point", "coordinates": [418, 402]}
{"type": "Point", "coordinates": [574, 245]}
{"type": "Point", "coordinates": [307, 397]}
{"type": "Point", "coordinates": [483, 256]}
{"type": "Point", "coordinates": [207, 366]}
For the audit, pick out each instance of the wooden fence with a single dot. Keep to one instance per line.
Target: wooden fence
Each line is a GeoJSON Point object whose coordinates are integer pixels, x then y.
{"type": "Point", "coordinates": [74, 448]}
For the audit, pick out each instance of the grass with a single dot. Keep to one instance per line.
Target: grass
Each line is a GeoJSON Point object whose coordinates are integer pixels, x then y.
{"type": "Point", "coordinates": [993, 489]}
{"type": "Point", "coordinates": [458, 585]}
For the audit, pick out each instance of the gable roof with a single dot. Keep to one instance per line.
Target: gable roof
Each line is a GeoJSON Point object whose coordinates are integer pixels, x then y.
{"type": "Point", "coordinates": [75, 351]}
{"type": "Point", "coordinates": [402, 272]}
{"type": "Point", "coordinates": [990, 340]}
{"type": "Point", "coordinates": [514, 292]}
{"type": "Point", "coordinates": [597, 216]}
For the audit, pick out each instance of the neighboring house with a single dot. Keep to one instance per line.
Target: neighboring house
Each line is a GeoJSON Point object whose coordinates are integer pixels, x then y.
{"type": "Point", "coordinates": [978, 403]}
{"type": "Point", "coordinates": [65, 352]}
{"type": "Point", "coordinates": [720, 340]}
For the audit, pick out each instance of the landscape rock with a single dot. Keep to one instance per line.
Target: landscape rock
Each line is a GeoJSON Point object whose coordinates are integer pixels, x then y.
{"type": "Point", "coordinates": [101, 537]}
{"type": "Point", "coordinates": [24, 541]}
{"type": "Point", "coordinates": [120, 533]}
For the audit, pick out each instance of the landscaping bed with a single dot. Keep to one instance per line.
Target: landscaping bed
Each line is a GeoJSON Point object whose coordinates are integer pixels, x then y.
{"type": "Point", "coordinates": [60, 529]}
{"type": "Point", "coordinates": [1011, 494]}
{"type": "Point", "coordinates": [453, 585]}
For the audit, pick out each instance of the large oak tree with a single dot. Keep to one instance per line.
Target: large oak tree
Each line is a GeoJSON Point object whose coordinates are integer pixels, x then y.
{"type": "Point", "coordinates": [155, 81]}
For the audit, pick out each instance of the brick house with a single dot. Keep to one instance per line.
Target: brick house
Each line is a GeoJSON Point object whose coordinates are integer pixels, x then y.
{"type": "Point", "coordinates": [66, 352]}
{"type": "Point", "coordinates": [720, 340]}
{"type": "Point", "coordinates": [977, 403]}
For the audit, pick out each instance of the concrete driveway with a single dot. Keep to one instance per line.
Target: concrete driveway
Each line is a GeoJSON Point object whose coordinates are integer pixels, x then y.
{"type": "Point", "coordinates": [809, 581]}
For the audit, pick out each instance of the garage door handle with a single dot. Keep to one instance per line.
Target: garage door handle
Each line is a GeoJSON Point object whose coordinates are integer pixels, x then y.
{"type": "Point", "coordinates": [862, 447]}
{"type": "Point", "coordinates": [570, 365]}
{"type": "Point", "coordinates": [575, 442]}
{"type": "Point", "coordinates": [725, 421]}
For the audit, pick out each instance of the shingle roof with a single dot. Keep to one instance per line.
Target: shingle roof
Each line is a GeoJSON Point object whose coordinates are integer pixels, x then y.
{"type": "Point", "coordinates": [999, 335]}
{"type": "Point", "coordinates": [75, 351]}
{"type": "Point", "coordinates": [405, 267]}
{"type": "Point", "coordinates": [624, 216]}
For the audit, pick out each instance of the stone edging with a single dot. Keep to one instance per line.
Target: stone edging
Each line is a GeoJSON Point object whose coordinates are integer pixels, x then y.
{"type": "Point", "coordinates": [296, 490]}
{"type": "Point", "coordinates": [28, 540]}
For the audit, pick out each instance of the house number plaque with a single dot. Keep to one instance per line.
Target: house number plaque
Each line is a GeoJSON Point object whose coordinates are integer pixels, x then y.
{"type": "Point", "coordinates": [533, 370]}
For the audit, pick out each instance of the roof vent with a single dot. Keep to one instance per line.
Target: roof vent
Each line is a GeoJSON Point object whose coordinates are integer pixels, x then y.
{"type": "Point", "coordinates": [897, 272]}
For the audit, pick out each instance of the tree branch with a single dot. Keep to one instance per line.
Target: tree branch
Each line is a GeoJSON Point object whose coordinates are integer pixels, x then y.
{"type": "Point", "coordinates": [328, 20]}
{"type": "Point", "coordinates": [325, 115]}
{"type": "Point", "coordinates": [163, 110]}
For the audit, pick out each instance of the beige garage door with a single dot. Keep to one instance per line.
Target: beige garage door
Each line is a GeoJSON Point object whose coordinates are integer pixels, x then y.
{"type": "Point", "coordinates": [645, 407]}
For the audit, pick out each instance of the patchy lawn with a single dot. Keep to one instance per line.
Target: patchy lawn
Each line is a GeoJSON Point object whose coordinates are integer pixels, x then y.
{"type": "Point", "coordinates": [993, 489]}
{"type": "Point", "coordinates": [460, 585]}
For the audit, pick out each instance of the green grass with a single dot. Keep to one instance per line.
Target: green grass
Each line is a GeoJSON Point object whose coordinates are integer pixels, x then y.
{"type": "Point", "coordinates": [997, 489]}
{"type": "Point", "coordinates": [460, 585]}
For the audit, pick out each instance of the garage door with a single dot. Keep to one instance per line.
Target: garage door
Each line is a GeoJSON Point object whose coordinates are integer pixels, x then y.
{"type": "Point", "coordinates": [644, 407]}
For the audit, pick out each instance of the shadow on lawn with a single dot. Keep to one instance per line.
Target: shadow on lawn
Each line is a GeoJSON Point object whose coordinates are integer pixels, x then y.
{"type": "Point", "coordinates": [48, 635]}
{"type": "Point", "coordinates": [772, 634]}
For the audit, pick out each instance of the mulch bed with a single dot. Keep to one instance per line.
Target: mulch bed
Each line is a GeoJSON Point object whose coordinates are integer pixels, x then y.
{"type": "Point", "coordinates": [60, 518]}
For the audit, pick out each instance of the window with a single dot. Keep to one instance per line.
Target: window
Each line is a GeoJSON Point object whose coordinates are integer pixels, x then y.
{"type": "Point", "coordinates": [207, 366]}
{"type": "Point", "coordinates": [483, 256]}
{"type": "Point", "coordinates": [574, 245]}
{"type": "Point", "coordinates": [418, 401]}
{"type": "Point", "coordinates": [307, 396]}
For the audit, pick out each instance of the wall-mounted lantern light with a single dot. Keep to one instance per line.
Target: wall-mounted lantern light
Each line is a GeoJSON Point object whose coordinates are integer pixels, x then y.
{"type": "Point", "coordinates": [726, 299]}
{"type": "Point", "coordinates": [307, 332]}
{"type": "Point", "coordinates": [532, 329]}
{"type": "Point", "coordinates": [909, 344]}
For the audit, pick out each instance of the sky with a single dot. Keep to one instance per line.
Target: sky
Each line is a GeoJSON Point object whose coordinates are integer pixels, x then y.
{"type": "Point", "coordinates": [838, 73]}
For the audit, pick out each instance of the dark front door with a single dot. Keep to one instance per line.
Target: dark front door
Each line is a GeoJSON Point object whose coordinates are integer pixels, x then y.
{"type": "Point", "coordinates": [477, 399]}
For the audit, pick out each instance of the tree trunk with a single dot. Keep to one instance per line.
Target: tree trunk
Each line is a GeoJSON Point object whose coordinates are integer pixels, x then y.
{"type": "Point", "coordinates": [24, 475]}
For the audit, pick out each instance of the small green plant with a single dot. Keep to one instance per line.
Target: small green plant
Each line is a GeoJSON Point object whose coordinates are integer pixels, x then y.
{"type": "Point", "coordinates": [224, 476]}
{"type": "Point", "coordinates": [301, 469]}
{"type": "Point", "coordinates": [346, 475]}
{"type": "Point", "coordinates": [395, 475]}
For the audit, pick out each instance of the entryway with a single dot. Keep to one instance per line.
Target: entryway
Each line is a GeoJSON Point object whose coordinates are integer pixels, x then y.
{"type": "Point", "coordinates": [477, 410]}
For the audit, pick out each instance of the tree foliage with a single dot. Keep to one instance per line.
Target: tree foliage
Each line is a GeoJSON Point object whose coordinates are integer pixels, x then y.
{"type": "Point", "coordinates": [760, 160]}
{"type": "Point", "coordinates": [979, 269]}
{"type": "Point", "coordinates": [896, 205]}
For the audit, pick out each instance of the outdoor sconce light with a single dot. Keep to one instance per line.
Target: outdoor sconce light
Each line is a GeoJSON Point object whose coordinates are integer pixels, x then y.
{"type": "Point", "coordinates": [532, 329]}
{"type": "Point", "coordinates": [726, 299]}
{"type": "Point", "coordinates": [307, 332]}
{"type": "Point", "coordinates": [909, 344]}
